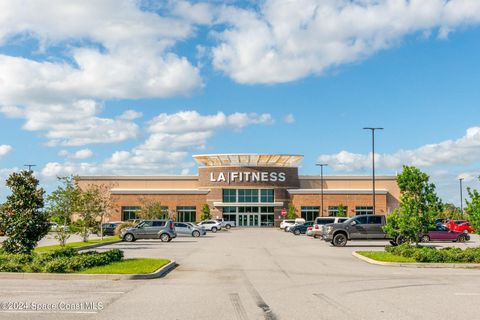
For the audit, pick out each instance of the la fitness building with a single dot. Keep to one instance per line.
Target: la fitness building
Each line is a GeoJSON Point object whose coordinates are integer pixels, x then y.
{"type": "Point", "coordinates": [250, 189]}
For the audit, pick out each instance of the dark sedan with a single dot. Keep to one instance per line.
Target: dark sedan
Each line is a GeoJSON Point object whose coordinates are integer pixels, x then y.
{"type": "Point", "coordinates": [301, 228]}
{"type": "Point", "coordinates": [109, 228]}
{"type": "Point", "coordinates": [442, 233]}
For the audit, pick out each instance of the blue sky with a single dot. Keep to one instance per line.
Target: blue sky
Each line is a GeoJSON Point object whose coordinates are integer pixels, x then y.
{"type": "Point", "coordinates": [172, 79]}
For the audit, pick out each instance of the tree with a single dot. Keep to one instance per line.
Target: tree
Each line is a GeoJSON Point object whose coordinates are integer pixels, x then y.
{"type": "Point", "coordinates": [95, 205]}
{"type": "Point", "coordinates": [152, 209]}
{"type": "Point", "coordinates": [473, 209]}
{"type": "Point", "coordinates": [341, 211]}
{"type": "Point", "coordinates": [451, 211]}
{"type": "Point", "coordinates": [62, 204]}
{"type": "Point", "coordinates": [206, 212]}
{"type": "Point", "coordinates": [419, 205]}
{"type": "Point", "coordinates": [291, 212]}
{"type": "Point", "coordinates": [21, 215]}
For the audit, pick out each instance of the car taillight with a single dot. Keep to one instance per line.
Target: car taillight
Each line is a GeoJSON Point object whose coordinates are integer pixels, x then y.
{"type": "Point", "coordinates": [171, 225]}
{"type": "Point", "coordinates": [316, 227]}
{"type": "Point", "coordinates": [309, 228]}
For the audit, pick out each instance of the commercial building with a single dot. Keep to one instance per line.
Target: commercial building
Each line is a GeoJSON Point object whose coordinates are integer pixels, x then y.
{"type": "Point", "coordinates": [251, 189]}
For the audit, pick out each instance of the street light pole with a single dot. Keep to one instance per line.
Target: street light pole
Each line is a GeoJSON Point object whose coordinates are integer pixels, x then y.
{"type": "Point", "coordinates": [461, 195]}
{"type": "Point", "coordinates": [373, 164]}
{"type": "Point", "coordinates": [30, 166]}
{"type": "Point", "coordinates": [321, 165]}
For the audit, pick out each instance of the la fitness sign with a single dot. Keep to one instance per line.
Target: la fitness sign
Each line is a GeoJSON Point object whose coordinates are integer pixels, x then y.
{"type": "Point", "coordinates": [236, 176]}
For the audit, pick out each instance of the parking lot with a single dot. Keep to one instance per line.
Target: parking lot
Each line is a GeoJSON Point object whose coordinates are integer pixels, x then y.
{"type": "Point", "coordinates": [260, 274]}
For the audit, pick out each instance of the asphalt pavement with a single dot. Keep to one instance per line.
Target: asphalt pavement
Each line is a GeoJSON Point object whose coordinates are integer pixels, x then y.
{"type": "Point", "coordinates": [257, 274]}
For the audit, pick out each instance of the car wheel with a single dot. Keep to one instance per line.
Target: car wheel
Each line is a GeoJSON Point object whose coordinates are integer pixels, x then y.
{"type": "Point", "coordinates": [165, 237]}
{"type": "Point", "coordinates": [196, 234]}
{"type": "Point", "coordinates": [296, 232]}
{"type": "Point", "coordinates": [340, 240]}
{"type": "Point", "coordinates": [462, 238]}
{"type": "Point", "coordinates": [214, 229]}
{"type": "Point", "coordinates": [425, 239]}
{"type": "Point", "coordinates": [400, 240]}
{"type": "Point", "coordinates": [315, 236]}
{"type": "Point", "coordinates": [285, 229]}
{"type": "Point", "coordinates": [228, 226]}
{"type": "Point", "coordinates": [129, 237]}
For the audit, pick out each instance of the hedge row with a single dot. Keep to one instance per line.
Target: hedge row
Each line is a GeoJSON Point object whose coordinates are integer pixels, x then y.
{"type": "Point", "coordinates": [429, 254]}
{"type": "Point", "coordinates": [63, 260]}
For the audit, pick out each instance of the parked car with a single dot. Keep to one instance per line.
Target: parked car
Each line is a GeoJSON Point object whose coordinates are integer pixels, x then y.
{"type": "Point", "coordinates": [362, 227]}
{"type": "Point", "coordinates": [211, 225]}
{"type": "Point", "coordinates": [182, 228]}
{"type": "Point", "coordinates": [286, 223]}
{"type": "Point", "coordinates": [298, 221]}
{"type": "Point", "coordinates": [109, 228]}
{"type": "Point", "coordinates": [442, 233]}
{"type": "Point", "coordinates": [301, 228]}
{"type": "Point", "coordinates": [317, 228]}
{"type": "Point", "coordinates": [54, 227]}
{"type": "Point", "coordinates": [226, 224]}
{"type": "Point", "coordinates": [150, 229]}
{"type": "Point", "coordinates": [459, 226]}
{"type": "Point", "coordinates": [195, 225]}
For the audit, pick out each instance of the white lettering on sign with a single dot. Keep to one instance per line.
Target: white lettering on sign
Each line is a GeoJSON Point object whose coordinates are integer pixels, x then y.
{"type": "Point", "coordinates": [236, 176]}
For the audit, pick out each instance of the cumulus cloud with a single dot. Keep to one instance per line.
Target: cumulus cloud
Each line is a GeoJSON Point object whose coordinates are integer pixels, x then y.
{"type": "Point", "coordinates": [5, 149]}
{"type": "Point", "coordinates": [287, 40]}
{"type": "Point", "coordinates": [75, 124]}
{"type": "Point", "coordinates": [171, 138]}
{"type": "Point", "coordinates": [289, 118]}
{"type": "Point", "coordinates": [462, 151]}
{"type": "Point", "coordinates": [80, 154]}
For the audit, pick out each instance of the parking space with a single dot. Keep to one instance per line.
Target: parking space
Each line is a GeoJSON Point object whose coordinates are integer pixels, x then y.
{"type": "Point", "coordinates": [264, 274]}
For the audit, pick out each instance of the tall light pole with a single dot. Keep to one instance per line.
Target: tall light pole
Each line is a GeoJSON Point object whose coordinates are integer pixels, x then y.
{"type": "Point", "coordinates": [321, 165]}
{"type": "Point", "coordinates": [30, 166]}
{"type": "Point", "coordinates": [461, 194]}
{"type": "Point", "coordinates": [373, 163]}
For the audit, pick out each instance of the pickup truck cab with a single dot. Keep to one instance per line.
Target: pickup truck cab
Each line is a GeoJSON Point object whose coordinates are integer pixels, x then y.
{"type": "Point", "coordinates": [226, 224]}
{"type": "Point", "coordinates": [363, 227]}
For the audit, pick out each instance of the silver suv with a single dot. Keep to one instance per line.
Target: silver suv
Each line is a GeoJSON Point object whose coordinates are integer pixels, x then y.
{"type": "Point", "coordinates": [150, 229]}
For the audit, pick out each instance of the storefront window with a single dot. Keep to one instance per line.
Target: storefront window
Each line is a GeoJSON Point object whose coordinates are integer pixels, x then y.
{"type": "Point", "coordinates": [248, 209]}
{"type": "Point", "coordinates": [247, 195]}
{"type": "Point", "coordinates": [186, 214]}
{"type": "Point", "coordinates": [363, 210]}
{"type": "Point", "coordinates": [129, 213]}
{"type": "Point", "coordinates": [266, 195]}
{"type": "Point", "coordinates": [267, 210]}
{"type": "Point", "coordinates": [310, 213]}
{"type": "Point", "coordinates": [333, 211]}
{"type": "Point", "coordinates": [229, 195]}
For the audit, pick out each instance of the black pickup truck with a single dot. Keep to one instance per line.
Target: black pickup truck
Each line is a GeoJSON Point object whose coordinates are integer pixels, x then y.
{"type": "Point", "coordinates": [363, 227]}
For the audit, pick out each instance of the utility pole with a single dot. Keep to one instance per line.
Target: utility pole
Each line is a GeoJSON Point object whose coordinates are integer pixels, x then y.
{"type": "Point", "coordinates": [461, 195]}
{"type": "Point", "coordinates": [373, 164]}
{"type": "Point", "coordinates": [321, 165]}
{"type": "Point", "coordinates": [30, 166]}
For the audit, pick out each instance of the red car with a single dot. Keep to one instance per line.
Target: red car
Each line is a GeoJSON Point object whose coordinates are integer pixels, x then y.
{"type": "Point", "coordinates": [459, 226]}
{"type": "Point", "coordinates": [441, 233]}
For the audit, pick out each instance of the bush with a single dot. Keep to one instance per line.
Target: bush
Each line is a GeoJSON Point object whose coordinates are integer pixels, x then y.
{"type": "Point", "coordinates": [123, 225]}
{"type": "Point", "coordinates": [59, 261]}
{"type": "Point", "coordinates": [432, 255]}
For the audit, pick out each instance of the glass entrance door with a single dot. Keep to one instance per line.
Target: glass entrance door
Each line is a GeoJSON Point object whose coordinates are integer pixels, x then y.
{"type": "Point", "coordinates": [242, 220]}
{"type": "Point", "coordinates": [253, 221]}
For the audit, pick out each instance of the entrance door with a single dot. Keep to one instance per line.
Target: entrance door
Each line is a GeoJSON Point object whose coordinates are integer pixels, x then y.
{"type": "Point", "coordinates": [253, 220]}
{"type": "Point", "coordinates": [242, 220]}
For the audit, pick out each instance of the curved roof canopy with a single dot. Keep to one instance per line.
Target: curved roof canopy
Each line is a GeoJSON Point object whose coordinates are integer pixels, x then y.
{"type": "Point", "coordinates": [250, 160]}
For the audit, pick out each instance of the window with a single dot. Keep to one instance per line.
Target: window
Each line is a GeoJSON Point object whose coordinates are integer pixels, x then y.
{"type": "Point", "coordinates": [158, 223]}
{"type": "Point", "coordinates": [247, 195]}
{"type": "Point", "coordinates": [375, 220]}
{"type": "Point", "coordinates": [129, 213]}
{"type": "Point", "coordinates": [361, 220]}
{"type": "Point", "coordinates": [229, 210]}
{"type": "Point", "coordinates": [310, 213]}
{"type": "Point", "coordinates": [363, 210]}
{"type": "Point", "coordinates": [267, 209]}
{"type": "Point", "coordinates": [229, 195]}
{"type": "Point", "coordinates": [181, 225]}
{"type": "Point", "coordinates": [266, 195]}
{"type": "Point", "coordinates": [248, 209]}
{"type": "Point", "coordinates": [186, 214]}
{"type": "Point", "coordinates": [322, 221]}
{"type": "Point", "coordinates": [229, 217]}
{"type": "Point", "coordinates": [333, 211]}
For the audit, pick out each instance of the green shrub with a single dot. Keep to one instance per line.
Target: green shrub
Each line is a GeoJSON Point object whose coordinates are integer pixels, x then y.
{"type": "Point", "coordinates": [432, 255]}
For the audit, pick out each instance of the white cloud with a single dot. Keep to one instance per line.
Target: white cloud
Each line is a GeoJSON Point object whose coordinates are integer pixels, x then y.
{"type": "Point", "coordinates": [462, 151]}
{"type": "Point", "coordinates": [289, 118]}
{"type": "Point", "coordinates": [80, 154]}
{"type": "Point", "coordinates": [5, 149]}
{"type": "Point", "coordinates": [287, 40]}
{"type": "Point", "coordinates": [166, 150]}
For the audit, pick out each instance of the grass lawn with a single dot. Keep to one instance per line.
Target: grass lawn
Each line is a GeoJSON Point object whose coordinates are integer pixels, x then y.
{"type": "Point", "coordinates": [129, 266]}
{"type": "Point", "coordinates": [77, 244]}
{"type": "Point", "coordinates": [384, 256]}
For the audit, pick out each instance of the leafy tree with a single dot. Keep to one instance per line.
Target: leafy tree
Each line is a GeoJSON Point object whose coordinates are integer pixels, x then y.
{"type": "Point", "coordinates": [473, 209]}
{"type": "Point", "coordinates": [291, 212]}
{"type": "Point", "coordinates": [206, 215]}
{"type": "Point", "coordinates": [21, 215]}
{"type": "Point", "coordinates": [152, 209]}
{"type": "Point", "coordinates": [419, 205]}
{"type": "Point", "coordinates": [95, 205]}
{"type": "Point", "coordinates": [450, 211]}
{"type": "Point", "coordinates": [62, 204]}
{"type": "Point", "coordinates": [342, 211]}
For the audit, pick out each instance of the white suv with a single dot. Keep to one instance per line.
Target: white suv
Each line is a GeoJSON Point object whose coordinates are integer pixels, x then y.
{"type": "Point", "coordinates": [286, 223]}
{"type": "Point", "coordinates": [317, 230]}
{"type": "Point", "coordinates": [211, 225]}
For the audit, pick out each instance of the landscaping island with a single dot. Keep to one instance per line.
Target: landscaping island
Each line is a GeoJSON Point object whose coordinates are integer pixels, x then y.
{"type": "Point", "coordinates": [407, 253]}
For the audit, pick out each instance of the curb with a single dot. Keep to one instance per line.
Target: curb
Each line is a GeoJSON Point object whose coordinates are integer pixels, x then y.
{"type": "Point", "coordinates": [97, 245]}
{"type": "Point", "coordinates": [160, 273]}
{"type": "Point", "coordinates": [418, 264]}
